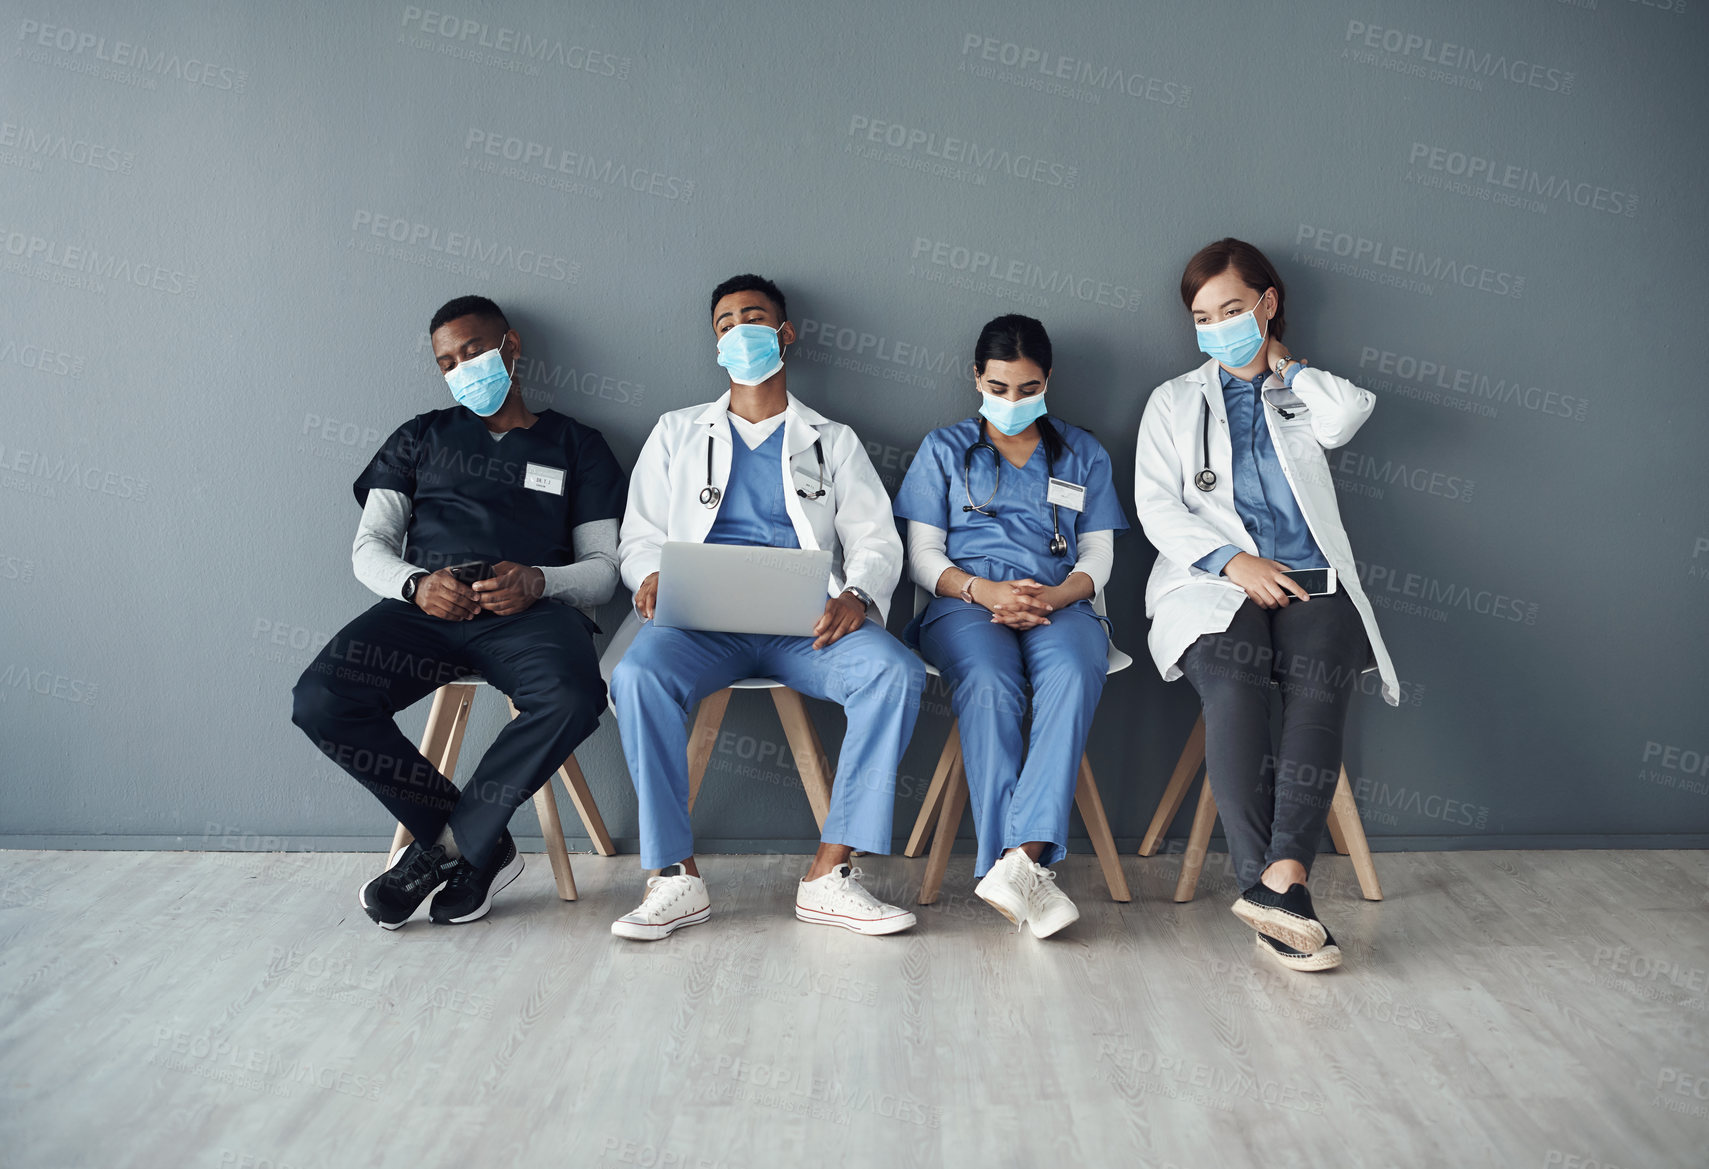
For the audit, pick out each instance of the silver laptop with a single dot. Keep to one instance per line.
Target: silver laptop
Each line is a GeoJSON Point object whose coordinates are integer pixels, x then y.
{"type": "Point", "coordinates": [735, 588]}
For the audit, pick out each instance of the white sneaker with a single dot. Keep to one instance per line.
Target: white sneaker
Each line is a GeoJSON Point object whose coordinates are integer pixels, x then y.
{"type": "Point", "coordinates": [675, 898]}
{"type": "Point", "coordinates": [1048, 908]}
{"type": "Point", "coordinates": [838, 898]}
{"type": "Point", "coordinates": [1004, 886]}
{"type": "Point", "coordinates": [1025, 892]}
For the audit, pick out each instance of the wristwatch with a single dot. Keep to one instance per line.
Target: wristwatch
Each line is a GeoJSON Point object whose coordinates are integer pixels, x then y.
{"type": "Point", "coordinates": [860, 595]}
{"type": "Point", "coordinates": [1282, 363]}
{"type": "Point", "coordinates": [967, 590]}
{"type": "Point", "coordinates": [413, 583]}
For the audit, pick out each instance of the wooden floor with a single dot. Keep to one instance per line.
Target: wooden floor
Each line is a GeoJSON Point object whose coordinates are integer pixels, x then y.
{"type": "Point", "coordinates": [229, 1009]}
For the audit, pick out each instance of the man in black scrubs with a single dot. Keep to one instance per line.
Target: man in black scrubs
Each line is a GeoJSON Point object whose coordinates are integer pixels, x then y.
{"type": "Point", "coordinates": [535, 498]}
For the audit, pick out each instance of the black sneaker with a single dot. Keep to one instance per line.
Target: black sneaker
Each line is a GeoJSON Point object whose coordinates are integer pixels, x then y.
{"type": "Point", "coordinates": [392, 896]}
{"type": "Point", "coordinates": [1328, 958]}
{"type": "Point", "coordinates": [1287, 917]}
{"type": "Point", "coordinates": [469, 893]}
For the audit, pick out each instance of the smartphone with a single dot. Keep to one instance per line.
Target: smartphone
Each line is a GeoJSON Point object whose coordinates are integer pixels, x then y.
{"type": "Point", "coordinates": [471, 571]}
{"type": "Point", "coordinates": [1317, 582]}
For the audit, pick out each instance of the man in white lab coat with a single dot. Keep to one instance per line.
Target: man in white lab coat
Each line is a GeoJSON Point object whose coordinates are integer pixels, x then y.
{"type": "Point", "coordinates": [759, 468]}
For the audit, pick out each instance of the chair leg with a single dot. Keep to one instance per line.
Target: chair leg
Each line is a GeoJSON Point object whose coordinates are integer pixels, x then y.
{"type": "Point", "coordinates": [928, 816]}
{"type": "Point", "coordinates": [949, 821]}
{"type": "Point", "coordinates": [576, 784]}
{"type": "Point", "coordinates": [1198, 843]}
{"type": "Point", "coordinates": [441, 740]}
{"type": "Point", "coordinates": [1344, 810]}
{"type": "Point", "coordinates": [546, 808]}
{"type": "Point", "coordinates": [1091, 807]}
{"type": "Point", "coordinates": [703, 738]}
{"type": "Point", "coordinates": [809, 752]}
{"type": "Point", "coordinates": [1192, 755]}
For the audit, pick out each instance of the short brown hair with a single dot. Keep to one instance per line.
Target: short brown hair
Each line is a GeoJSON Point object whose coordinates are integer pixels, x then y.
{"type": "Point", "coordinates": [1251, 265]}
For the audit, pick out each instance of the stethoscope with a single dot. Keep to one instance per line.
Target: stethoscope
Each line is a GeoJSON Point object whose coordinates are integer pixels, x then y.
{"type": "Point", "coordinates": [1205, 478]}
{"type": "Point", "coordinates": [1058, 543]}
{"type": "Point", "coordinates": [712, 496]}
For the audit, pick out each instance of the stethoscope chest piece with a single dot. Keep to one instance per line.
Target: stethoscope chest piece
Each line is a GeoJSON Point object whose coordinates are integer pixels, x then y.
{"type": "Point", "coordinates": [1205, 480]}
{"type": "Point", "coordinates": [710, 495]}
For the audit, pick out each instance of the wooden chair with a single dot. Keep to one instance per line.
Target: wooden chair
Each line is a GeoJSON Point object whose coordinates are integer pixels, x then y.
{"type": "Point", "coordinates": [798, 730]}
{"type": "Point", "coordinates": [946, 800]}
{"type": "Point", "coordinates": [442, 741]}
{"type": "Point", "coordinates": [1346, 830]}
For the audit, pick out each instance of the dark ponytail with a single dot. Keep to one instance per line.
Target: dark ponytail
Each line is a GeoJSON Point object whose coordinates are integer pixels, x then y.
{"type": "Point", "coordinates": [1014, 337]}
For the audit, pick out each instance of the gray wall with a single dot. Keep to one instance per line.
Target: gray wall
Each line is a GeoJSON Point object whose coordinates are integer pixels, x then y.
{"type": "Point", "coordinates": [223, 228]}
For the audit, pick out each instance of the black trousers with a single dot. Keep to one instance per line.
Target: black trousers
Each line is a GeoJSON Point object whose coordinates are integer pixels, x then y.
{"type": "Point", "coordinates": [1274, 803]}
{"type": "Point", "coordinates": [394, 655]}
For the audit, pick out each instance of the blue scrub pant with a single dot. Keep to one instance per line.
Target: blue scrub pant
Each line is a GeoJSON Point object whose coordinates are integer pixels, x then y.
{"type": "Point", "coordinates": [990, 666]}
{"type": "Point", "coordinates": [666, 672]}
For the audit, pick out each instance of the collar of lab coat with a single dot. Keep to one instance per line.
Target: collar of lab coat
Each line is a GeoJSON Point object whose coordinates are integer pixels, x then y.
{"type": "Point", "coordinates": [799, 425]}
{"type": "Point", "coordinates": [1209, 377]}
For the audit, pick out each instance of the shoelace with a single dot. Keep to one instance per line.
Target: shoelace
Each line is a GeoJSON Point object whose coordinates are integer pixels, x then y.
{"type": "Point", "coordinates": [661, 891]}
{"type": "Point", "coordinates": [420, 870]}
{"type": "Point", "coordinates": [850, 885]}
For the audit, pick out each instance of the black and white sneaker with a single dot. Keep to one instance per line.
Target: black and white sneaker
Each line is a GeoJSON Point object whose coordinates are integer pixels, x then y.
{"type": "Point", "coordinates": [469, 893]}
{"type": "Point", "coordinates": [1287, 917]}
{"type": "Point", "coordinates": [1328, 958]}
{"type": "Point", "coordinates": [390, 898]}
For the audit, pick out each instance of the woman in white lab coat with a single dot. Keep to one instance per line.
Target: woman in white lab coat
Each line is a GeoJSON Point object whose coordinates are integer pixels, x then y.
{"type": "Point", "coordinates": [1232, 487]}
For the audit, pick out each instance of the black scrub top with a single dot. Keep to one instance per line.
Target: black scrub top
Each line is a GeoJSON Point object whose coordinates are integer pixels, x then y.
{"type": "Point", "coordinates": [517, 498]}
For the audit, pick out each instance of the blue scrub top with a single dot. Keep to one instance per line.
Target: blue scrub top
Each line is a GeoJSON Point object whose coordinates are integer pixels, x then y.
{"type": "Point", "coordinates": [1015, 542]}
{"type": "Point", "coordinates": [753, 511]}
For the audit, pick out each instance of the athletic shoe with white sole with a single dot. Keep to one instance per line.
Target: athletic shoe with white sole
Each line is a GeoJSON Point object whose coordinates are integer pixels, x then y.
{"type": "Point", "coordinates": [1287, 917]}
{"type": "Point", "coordinates": [1048, 908]}
{"type": "Point", "coordinates": [838, 898]}
{"type": "Point", "coordinates": [1005, 886]}
{"type": "Point", "coordinates": [416, 871]}
{"type": "Point", "coordinates": [675, 898]}
{"type": "Point", "coordinates": [1328, 958]}
{"type": "Point", "coordinates": [469, 892]}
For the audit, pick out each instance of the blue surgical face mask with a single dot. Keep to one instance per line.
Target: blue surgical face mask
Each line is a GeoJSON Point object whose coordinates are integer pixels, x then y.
{"type": "Point", "coordinates": [1012, 417]}
{"type": "Point", "coordinates": [751, 353]}
{"type": "Point", "coordinates": [480, 383]}
{"type": "Point", "coordinates": [1236, 341]}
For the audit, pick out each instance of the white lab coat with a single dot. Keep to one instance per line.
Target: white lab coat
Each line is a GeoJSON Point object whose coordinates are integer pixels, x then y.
{"type": "Point", "coordinates": [1185, 523]}
{"type": "Point", "coordinates": [853, 520]}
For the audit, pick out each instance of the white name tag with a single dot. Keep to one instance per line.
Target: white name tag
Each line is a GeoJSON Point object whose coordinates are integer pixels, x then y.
{"type": "Point", "coordinates": [541, 478]}
{"type": "Point", "coordinates": [1066, 494]}
{"type": "Point", "coordinates": [808, 481]}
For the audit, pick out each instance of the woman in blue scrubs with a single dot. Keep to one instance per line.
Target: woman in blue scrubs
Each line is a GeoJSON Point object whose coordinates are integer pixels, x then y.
{"type": "Point", "coordinates": [1012, 519]}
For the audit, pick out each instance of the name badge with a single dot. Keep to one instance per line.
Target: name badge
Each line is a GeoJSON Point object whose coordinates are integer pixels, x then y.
{"type": "Point", "coordinates": [542, 478]}
{"type": "Point", "coordinates": [1066, 494]}
{"type": "Point", "coordinates": [808, 481]}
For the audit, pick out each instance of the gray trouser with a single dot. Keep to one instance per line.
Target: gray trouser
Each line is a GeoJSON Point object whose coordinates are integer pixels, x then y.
{"type": "Point", "coordinates": [1274, 803]}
